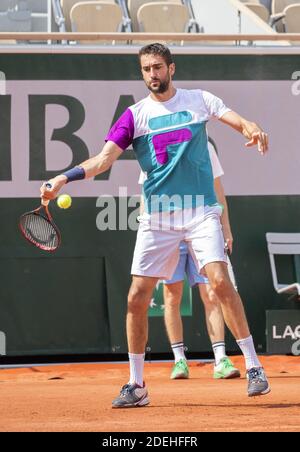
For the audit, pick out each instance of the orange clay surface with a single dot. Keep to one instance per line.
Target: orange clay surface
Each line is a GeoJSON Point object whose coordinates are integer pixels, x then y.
{"type": "Point", "coordinates": [77, 397]}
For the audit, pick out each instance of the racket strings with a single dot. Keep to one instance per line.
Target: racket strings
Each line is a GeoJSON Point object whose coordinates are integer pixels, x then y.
{"type": "Point", "coordinates": [40, 231]}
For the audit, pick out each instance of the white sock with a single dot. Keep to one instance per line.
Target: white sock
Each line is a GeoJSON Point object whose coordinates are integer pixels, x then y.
{"type": "Point", "coordinates": [136, 362]}
{"type": "Point", "coordinates": [178, 350]}
{"type": "Point", "coordinates": [219, 351]}
{"type": "Point", "coordinates": [247, 347]}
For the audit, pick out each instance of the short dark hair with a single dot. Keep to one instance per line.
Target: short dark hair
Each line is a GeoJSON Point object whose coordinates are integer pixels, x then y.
{"type": "Point", "coordinates": [157, 49]}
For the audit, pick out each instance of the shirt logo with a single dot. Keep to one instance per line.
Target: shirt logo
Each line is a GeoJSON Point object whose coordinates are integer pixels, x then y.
{"type": "Point", "coordinates": [163, 140]}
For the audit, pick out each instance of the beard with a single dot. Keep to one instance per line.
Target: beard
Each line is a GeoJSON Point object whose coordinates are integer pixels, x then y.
{"type": "Point", "coordinates": [162, 87]}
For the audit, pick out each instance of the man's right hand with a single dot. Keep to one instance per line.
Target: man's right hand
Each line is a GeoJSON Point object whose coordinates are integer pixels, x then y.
{"type": "Point", "coordinates": [228, 238]}
{"type": "Point", "coordinates": [56, 183]}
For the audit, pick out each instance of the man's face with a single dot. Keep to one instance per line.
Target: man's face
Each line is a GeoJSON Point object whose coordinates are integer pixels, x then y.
{"type": "Point", "coordinates": [156, 74]}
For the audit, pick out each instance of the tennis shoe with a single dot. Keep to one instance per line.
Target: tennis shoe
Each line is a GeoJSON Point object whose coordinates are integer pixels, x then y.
{"type": "Point", "coordinates": [131, 395]}
{"type": "Point", "coordinates": [257, 382]}
{"type": "Point", "coordinates": [180, 370]}
{"type": "Point", "coordinates": [225, 369]}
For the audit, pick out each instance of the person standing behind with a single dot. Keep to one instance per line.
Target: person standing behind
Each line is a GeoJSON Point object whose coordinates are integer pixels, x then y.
{"type": "Point", "coordinates": [173, 289]}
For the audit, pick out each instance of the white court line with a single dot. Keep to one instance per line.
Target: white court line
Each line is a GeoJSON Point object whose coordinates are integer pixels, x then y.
{"type": "Point", "coordinates": [2, 83]}
{"type": "Point", "coordinates": [25, 366]}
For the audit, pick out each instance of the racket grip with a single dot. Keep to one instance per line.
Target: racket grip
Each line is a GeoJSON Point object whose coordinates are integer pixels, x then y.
{"type": "Point", "coordinates": [45, 202]}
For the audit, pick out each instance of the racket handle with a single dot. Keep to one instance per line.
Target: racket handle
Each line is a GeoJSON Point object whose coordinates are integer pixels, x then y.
{"type": "Point", "coordinates": [45, 202]}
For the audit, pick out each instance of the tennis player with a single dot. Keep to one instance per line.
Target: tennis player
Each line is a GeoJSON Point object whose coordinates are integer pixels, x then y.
{"type": "Point", "coordinates": [168, 132]}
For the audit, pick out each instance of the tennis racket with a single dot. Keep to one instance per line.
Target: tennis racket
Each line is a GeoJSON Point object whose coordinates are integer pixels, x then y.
{"type": "Point", "coordinates": [39, 228]}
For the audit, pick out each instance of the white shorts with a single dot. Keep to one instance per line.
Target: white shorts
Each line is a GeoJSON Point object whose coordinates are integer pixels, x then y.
{"type": "Point", "coordinates": [156, 251]}
{"type": "Point", "coordinates": [186, 268]}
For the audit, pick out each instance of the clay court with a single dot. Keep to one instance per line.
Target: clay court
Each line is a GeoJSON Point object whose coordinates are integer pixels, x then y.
{"type": "Point", "coordinates": [77, 397]}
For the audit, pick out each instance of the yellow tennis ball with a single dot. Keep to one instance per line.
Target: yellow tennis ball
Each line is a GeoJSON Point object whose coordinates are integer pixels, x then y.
{"type": "Point", "coordinates": [64, 201]}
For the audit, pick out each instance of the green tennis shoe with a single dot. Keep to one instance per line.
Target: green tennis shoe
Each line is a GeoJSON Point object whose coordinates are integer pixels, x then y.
{"type": "Point", "coordinates": [225, 369]}
{"type": "Point", "coordinates": [180, 370]}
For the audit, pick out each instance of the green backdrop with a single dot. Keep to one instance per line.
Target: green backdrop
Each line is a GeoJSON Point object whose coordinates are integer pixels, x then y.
{"type": "Point", "coordinates": [74, 302]}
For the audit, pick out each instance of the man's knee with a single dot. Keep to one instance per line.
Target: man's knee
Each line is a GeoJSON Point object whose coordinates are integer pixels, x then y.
{"type": "Point", "coordinates": [208, 295]}
{"type": "Point", "coordinates": [220, 284]}
{"type": "Point", "coordinates": [138, 299]}
{"type": "Point", "coordinates": [172, 295]}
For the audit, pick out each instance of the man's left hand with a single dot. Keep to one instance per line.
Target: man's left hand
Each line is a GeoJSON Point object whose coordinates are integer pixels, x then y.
{"type": "Point", "coordinates": [260, 139]}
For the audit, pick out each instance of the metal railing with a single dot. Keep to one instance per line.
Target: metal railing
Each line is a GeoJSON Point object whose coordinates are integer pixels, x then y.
{"type": "Point", "coordinates": [187, 37]}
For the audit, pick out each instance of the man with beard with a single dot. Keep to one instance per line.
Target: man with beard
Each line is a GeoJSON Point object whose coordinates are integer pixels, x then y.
{"type": "Point", "coordinates": [168, 132]}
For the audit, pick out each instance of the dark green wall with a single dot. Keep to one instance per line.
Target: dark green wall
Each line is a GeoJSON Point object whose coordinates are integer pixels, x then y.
{"type": "Point", "coordinates": [74, 301]}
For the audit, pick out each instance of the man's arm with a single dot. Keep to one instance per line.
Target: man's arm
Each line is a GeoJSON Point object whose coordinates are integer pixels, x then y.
{"type": "Point", "coordinates": [250, 130]}
{"type": "Point", "coordinates": [93, 166]}
{"type": "Point", "coordinates": [225, 215]}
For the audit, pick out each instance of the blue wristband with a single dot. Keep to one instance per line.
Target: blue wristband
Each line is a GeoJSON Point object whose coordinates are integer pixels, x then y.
{"type": "Point", "coordinates": [76, 173]}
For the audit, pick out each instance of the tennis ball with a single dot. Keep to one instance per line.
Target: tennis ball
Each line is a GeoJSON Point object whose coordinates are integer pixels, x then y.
{"type": "Point", "coordinates": [64, 201]}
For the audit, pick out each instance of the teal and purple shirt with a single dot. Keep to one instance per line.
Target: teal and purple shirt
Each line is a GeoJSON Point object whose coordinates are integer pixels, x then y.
{"type": "Point", "coordinates": [171, 145]}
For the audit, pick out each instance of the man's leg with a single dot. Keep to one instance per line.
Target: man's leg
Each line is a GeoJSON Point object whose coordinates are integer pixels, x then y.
{"type": "Point", "coordinates": [139, 298]}
{"type": "Point", "coordinates": [134, 393]}
{"type": "Point", "coordinates": [214, 321]}
{"type": "Point", "coordinates": [213, 313]}
{"type": "Point", "coordinates": [215, 328]}
{"type": "Point", "coordinates": [173, 322]}
{"type": "Point", "coordinates": [231, 303]}
{"type": "Point", "coordinates": [236, 321]}
{"type": "Point", "coordinates": [206, 244]}
{"type": "Point", "coordinates": [155, 257]}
